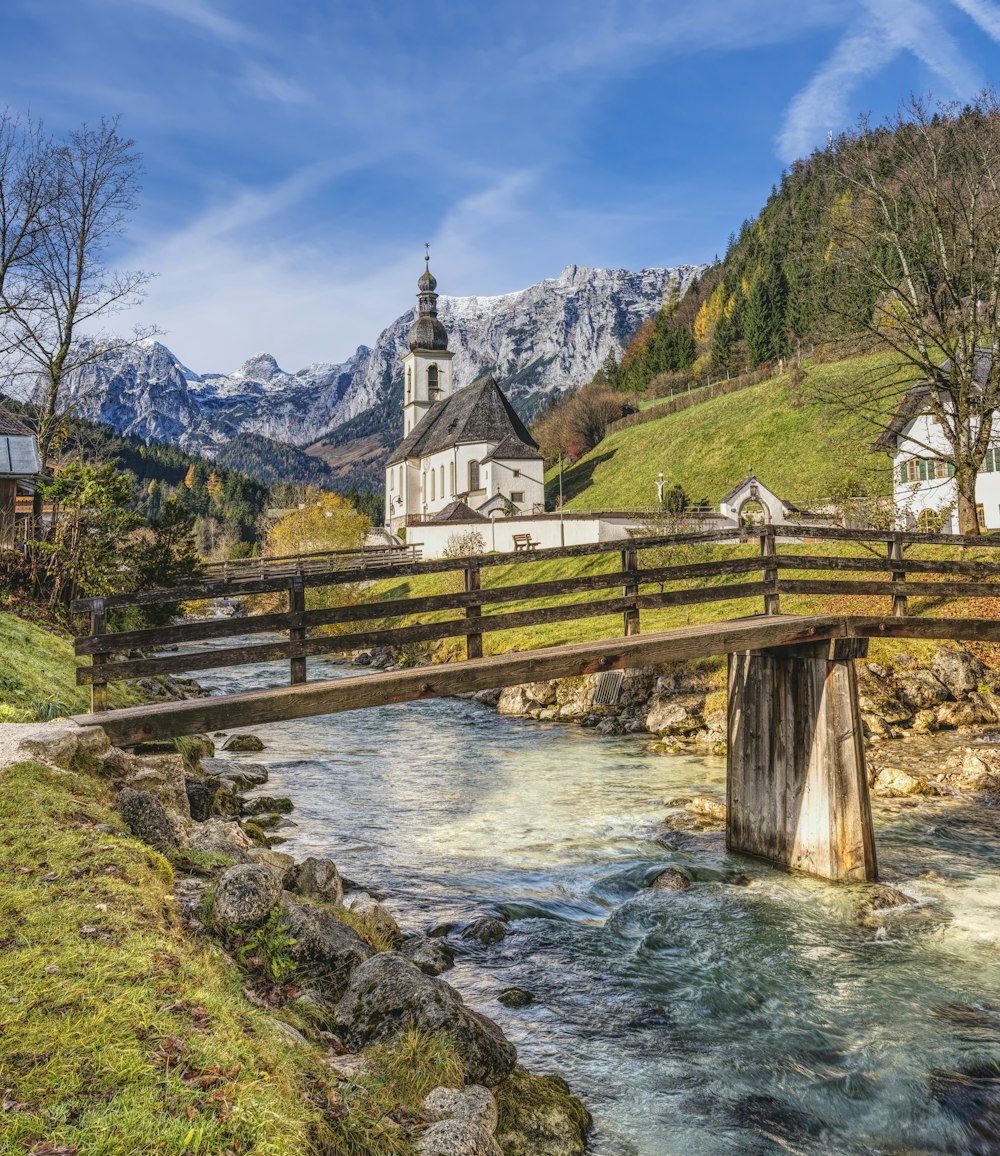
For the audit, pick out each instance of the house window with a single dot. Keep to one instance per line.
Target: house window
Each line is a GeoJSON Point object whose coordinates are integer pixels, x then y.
{"type": "Point", "coordinates": [940, 468]}
{"type": "Point", "coordinates": [912, 470]}
{"type": "Point", "coordinates": [517, 497]}
{"type": "Point", "coordinates": [473, 475]}
{"type": "Point", "coordinates": [929, 522]}
{"type": "Point", "coordinates": [925, 470]}
{"type": "Point", "coordinates": [517, 473]}
{"type": "Point", "coordinates": [981, 517]}
{"type": "Point", "coordinates": [432, 382]}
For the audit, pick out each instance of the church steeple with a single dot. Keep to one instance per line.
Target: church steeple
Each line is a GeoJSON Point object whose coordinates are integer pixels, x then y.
{"type": "Point", "coordinates": [427, 332]}
{"type": "Point", "coordinates": [427, 367]}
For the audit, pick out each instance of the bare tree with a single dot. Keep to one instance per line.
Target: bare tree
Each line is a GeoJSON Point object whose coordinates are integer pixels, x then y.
{"type": "Point", "coordinates": [918, 232]}
{"type": "Point", "coordinates": [64, 287]}
{"type": "Point", "coordinates": [25, 194]}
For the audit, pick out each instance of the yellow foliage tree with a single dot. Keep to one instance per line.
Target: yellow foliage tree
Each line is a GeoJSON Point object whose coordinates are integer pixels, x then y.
{"type": "Point", "coordinates": [708, 316]}
{"type": "Point", "coordinates": [213, 485]}
{"type": "Point", "coordinates": [323, 522]}
{"type": "Point", "coordinates": [189, 477]}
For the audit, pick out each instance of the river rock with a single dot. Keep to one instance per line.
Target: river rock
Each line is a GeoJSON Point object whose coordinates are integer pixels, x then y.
{"type": "Point", "coordinates": [240, 743]}
{"type": "Point", "coordinates": [523, 699]}
{"type": "Point", "coordinates": [278, 863]}
{"type": "Point", "coordinates": [707, 808]}
{"type": "Point", "coordinates": [542, 1117]}
{"type": "Point", "coordinates": [473, 1103]}
{"type": "Point", "coordinates": [959, 671]}
{"type": "Point", "coordinates": [953, 715]}
{"type": "Point", "coordinates": [318, 879]}
{"type": "Point", "coordinates": [978, 770]}
{"type": "Point", "coordinates": [972, 1095]}
{"type": "Point", "coordinates": [880, 897]}
{"type": "Point", "coordinates": [236, 773]}
{"type": "Point", "coordinates": [201, 794]}
{"type": "Point", "coordinates": [488, 697]}
{"type": "Point", "coordinates": [323, 946]}
{"type": "Point", "coordinates": [387, 994]}
{"type": "Point", "coordinates": [378, 916]}
{"type": "Point", "coordinates": [894, 782]}
{"type": "Point", "coordinates": [147, 819]}
{"type": "Point", "coordinates": [919, 688]}
{"type": "Point", "coordinates": [269, 805]}
{"type": "Point", "coordinates": [245, 896]}
{"type": "Point", "coordinates": [515, 997]}
{"type": "Point", "coordinates": [221, 837]}
{"type": "Point", "coordinates": [68, 746]}
{"type": "Point", "coordinates": [575, 696]}
{"type": "Point", "coordinates": [486, 929]}
{"type": "Point", "coordinates": [163, 776]}
{"type": "Point", "coordinates": [675, 714]}
{"type": "Point", "coordinates": [432, 956]}
{"type": "Point", "coordinates": [457, 1138]}
{"type": "Point", "coordinates": [672, 879]}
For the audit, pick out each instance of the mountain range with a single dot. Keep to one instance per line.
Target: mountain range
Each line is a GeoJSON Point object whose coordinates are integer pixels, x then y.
{"type": "Point", "coordinates": [536, 342]}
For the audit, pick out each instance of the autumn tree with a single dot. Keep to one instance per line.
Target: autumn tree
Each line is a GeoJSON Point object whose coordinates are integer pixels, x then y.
{"type": "Point", "coordinates": [322, 522]}
{"type": "Point", "coordinates": [920, 237]}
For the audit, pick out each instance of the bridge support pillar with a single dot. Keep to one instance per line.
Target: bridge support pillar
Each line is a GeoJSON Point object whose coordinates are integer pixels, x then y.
{"type": "Point", "coordinates": [797, 792]}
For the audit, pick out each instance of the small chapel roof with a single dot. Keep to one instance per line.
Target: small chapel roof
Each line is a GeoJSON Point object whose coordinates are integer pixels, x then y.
{"type": "Point", "coordinates": [457, 512]}
{"type": "Point", "coordinates": [476, 413]}
{"type": "Point", "coordinates": [18, 448]}
{"type": "Point", "coordinates": [12, 426]}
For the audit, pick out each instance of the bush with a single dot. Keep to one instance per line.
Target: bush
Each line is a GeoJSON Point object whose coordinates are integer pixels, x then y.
{"type": "Point", "coordinates": [465, 544]}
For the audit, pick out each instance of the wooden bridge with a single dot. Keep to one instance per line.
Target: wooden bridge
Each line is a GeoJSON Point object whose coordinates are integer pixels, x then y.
{"type": "Point", "coordinates": [797, 788]}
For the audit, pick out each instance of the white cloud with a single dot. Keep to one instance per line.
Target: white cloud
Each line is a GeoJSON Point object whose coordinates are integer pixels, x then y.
{"type": "Point", "coordinates": [886, 29]}
{"type": "Point", "coordinates": [201, 14]}
{"type": "Point", "coordinates": [985, 14]}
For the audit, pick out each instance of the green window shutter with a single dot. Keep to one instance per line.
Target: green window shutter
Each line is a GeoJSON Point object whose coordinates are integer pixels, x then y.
{"type": "Point", "coordinates": [902, 471]}
{"type": "Point", "coordinates": [922, 467]}
{"type": "Point", "coordinates": [951, 470]}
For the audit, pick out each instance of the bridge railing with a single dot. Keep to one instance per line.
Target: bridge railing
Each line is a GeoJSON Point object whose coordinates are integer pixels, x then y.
{"type": "Point", "coordinates": [763, 563]}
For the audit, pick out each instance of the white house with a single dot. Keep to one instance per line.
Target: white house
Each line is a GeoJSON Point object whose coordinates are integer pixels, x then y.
{"type": "Point", "coordinates": [465, 444]}
{"type": "Point", "coordinates": [924, 488]}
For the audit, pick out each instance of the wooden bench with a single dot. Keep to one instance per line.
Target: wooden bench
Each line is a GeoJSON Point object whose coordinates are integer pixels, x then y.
{"type": "Point", "coordinates": [523, 542]}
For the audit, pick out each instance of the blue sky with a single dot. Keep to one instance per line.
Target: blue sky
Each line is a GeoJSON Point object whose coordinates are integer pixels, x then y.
{"type": "Point", "coordinates": [299, 153]}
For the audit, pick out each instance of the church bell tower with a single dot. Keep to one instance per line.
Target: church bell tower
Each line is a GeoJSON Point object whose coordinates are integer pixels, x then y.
{"type": "Point", "coordinates": [427, 366]}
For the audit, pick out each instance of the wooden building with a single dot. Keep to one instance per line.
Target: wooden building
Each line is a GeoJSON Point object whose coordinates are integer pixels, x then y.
{"type": "Point", "coordinates": [20, 470]}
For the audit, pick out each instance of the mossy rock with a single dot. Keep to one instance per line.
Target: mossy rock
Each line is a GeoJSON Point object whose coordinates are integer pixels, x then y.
{"type": "Point", "coordinates": [540, 1116]}
{"type": "Point", "coordinates": [256, 833]}
{"type": "Point", "coordinates": [269, 805]}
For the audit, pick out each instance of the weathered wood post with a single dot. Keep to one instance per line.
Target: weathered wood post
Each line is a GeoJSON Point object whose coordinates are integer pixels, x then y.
{"type": "Point", "coordinates": [898, 575]}
{"type": "Point", "coordinates": [797, 792]}
{"type": "Point", "coordinates": [630, 564]}
{"type": "Point", "coordinates": [98, 686]}
{"type": "Point", "coordinates": [473, 642]}
{"type": "Point", "coordinates": [296, 631]}
{"type": "Point", "coordinates": [768, 550]}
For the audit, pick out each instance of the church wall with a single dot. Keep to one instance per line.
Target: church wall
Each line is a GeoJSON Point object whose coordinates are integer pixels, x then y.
{"type": "Point", "coordinates": [498, 534]}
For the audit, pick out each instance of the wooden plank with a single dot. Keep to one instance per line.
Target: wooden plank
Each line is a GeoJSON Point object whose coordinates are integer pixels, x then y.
{"type": "Point", "coordinates": [911, 538]}
{"type": "Point", "coordinates": [630, 590]}
{"type": "Point", "coordinates": [772, 599]}
{"type": "Point", "coordinates": [296, 634]}
{"type": "Point", "coordinates": [895, 553]}
{"type": "Point", "coordinates": [98, 684]}
{"type": "Point", "coordinates": [166, 720]}
{"type": "Point", "coordinates": [473, 640]}
{"type": "Point", "coordinates": [869, 562]}
{"type": "Point", "coordinates": [205, 629]}
{"type": "Point", "coordinates": [894, 589]}
{"type": "Point", "coordinates": [232, 589]}
{"type": "Point", "coordinates": [956, 629]}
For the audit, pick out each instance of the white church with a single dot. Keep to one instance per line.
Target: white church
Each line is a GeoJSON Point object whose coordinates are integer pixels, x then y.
{"type": "Point", "coordinates": [465, 453]}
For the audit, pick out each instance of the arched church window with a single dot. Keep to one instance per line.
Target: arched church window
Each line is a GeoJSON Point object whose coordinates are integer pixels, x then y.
{"type": "Point", "coordinates": [432, 382]}
{"type": "Point", "coordinates": [473, 475]}
{"type": "Point", "coordinates": [432, 484]}
{"type": "Point", "coordinates": [409, 384]}
{"type": "Point", "coordinates": [442, 481]}
{"type": "Point", "coordinates": [451, 478]}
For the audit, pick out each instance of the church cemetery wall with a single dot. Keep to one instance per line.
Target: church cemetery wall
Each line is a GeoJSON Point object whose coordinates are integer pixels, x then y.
{"type": "Point", "coordinates": [432, 539]}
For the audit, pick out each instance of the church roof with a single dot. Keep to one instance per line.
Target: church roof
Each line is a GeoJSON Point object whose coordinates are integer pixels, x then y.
{"type": "Point", "coordinates": [476, 413]}
{"type": "Point", "coordinates": [457, 512]}
{"type": "Point", "coordinates": [512, 449]}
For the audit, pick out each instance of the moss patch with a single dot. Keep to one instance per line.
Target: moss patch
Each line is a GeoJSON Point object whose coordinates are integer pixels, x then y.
{"type": "Point", "coordinates": [540, 1116]}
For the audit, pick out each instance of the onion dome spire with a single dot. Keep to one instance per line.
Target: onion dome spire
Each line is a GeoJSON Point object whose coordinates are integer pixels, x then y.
{"type": "Point", "coordinates": [427, 332]}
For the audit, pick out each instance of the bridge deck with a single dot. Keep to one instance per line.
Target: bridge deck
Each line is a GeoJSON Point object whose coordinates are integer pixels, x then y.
{"type": "Point", "coordinates": [168, 720]}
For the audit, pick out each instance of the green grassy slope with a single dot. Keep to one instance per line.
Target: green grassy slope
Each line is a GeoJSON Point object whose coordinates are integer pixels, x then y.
{"type": "Point", "coordinates": [38, 675]}
{"type": "Point", "coordinates": [801, 448]}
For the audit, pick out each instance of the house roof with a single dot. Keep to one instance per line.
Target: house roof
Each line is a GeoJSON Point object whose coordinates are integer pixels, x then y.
{"type": "Point", "coordinates": [9, 424]}
{"type": "Point", "coordinates": [19, 457]}
{"type": "Point", "coordinates": [457, 512]}
{"type": "Point", "coordinates": [914, 400]}
{"type": "Point", "coordinates": [476, 413]}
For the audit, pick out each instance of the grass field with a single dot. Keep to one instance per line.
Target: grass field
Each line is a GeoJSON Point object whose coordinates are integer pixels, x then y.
{"type": "Point", "coordinates": [800, 447]}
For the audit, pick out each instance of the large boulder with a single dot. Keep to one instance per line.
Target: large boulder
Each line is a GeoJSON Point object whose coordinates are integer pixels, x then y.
{"type": "Point", "coordinates": [387, 995]}
{"type": "Point", "coordinates": [527, 698]}
{"type": "Point", "coordinates": [201, 795]}
{"type": "Point", "coordinates": [960, 672]}
{"type": "Point", "coordinates": [542, 1117]}
{"type": "Point", "coordinates": [432, 955]}
{"type": "Point", "coordinates": [236, 772]}
{"type": "Point", "coordinates": [457, 1138]}
{"type": "Point", "coordinates": [474, 1103]}
{"type": "Point", "coordinates": [163, 776]}
{"type": "Point", "coordinates": [147, 819]}
{"type": "Point", "coordinates": [919, 688]}
{"type": "Point", "coordinates": [246, 896]}
{"type": "Point", "coordinates": [318, 879]}
{"type": "Point", "coordinates": [66, 745]}
{"type": "Point", "coordinates": [675, 714]}
{"type": "Point", "coordinates": [323, 947]}
{"type": "Point", "coordinates": [237, 743]}
{"type": "Point", "coordinates": [221, 837]}
{"type": "Point", "coordinates": [278, 863]}
{"type": "Point", "coordinates": [376, 916]}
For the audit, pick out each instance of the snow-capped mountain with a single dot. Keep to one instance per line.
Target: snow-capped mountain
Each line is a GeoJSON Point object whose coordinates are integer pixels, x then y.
{"type": "Point", "coordinates": [546, 337]}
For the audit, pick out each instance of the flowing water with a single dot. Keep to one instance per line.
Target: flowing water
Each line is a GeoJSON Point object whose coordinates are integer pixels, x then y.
{"type": "Point", "coordinates": [721, 1020]}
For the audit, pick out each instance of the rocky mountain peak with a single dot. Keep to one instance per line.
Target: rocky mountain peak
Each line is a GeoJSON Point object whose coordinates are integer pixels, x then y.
{"type": "Point", "coordinates": [262, 367]}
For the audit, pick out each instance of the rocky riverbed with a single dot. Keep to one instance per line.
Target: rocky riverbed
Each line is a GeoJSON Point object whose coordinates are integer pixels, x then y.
{"type": "Point", "coordinates": [313, 942]}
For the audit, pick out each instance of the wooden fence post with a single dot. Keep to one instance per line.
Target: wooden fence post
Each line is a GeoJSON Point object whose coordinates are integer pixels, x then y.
{"type": "Point", "coordinates": [296, 607]}
{"type": "Point", "coordinates": [768, 549]}
{"type": "Point", "coordinates": [896, 555]}
{"type": "Point", "coordinates": [630, 564]}
{"type": "Point", "coordinates": [98, 688]}
{"type": "Point", "coordinates": [473, 642]}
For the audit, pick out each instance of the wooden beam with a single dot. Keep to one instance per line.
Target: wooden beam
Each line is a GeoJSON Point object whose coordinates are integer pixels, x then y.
{"type": "Point", "coordinates": [954, 629]}
{"type": "Point", "coordinates": [133, 725]}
